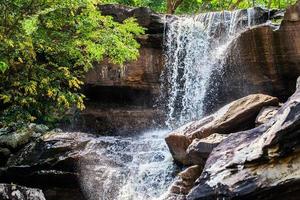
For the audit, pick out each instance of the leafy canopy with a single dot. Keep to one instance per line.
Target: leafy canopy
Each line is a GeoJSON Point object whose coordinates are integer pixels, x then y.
{"type": "Point", "coordinates": [195, 6]}
{"type": "Point", "coordinates": [47, 46]}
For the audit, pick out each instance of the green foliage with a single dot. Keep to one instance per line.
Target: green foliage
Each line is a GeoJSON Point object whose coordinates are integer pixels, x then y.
{"type": "Point", "coordinates": [47, 46]}
{"type": "Point", "coordinates": [195, 6]}
{"type": "Point", "coordinates": [156, 5]}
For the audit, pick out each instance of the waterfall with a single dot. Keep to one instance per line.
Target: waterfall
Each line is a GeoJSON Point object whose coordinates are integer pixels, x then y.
{"type": "Point", "coordinates": [127, 168]}
{"type": "Point", "coordinates": [141, 167]}
{"type": "Point", "coordinates": [195, 47]}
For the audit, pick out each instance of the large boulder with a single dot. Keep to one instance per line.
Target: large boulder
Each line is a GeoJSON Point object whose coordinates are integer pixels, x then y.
{"type": "Point", "coordinates": [238, 115]}
{"type": "Point", "coordinates": [15, 192]}
{"type": "Point", "coordinates": [49, 163]}
{"type": "Point", "coordinates": [16, 136]}
{"type": "Point", "coordinates": [199, 150]}
{"type": "Point", "coordinates": [261, 163]}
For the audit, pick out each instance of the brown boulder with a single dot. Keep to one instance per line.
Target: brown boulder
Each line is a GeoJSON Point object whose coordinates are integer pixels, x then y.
{"type": "Point", "coordinates": [238, 115]}
{"type": "Point", "coordinates": [185, 181]}
{"type": "Point", "coordinates": [261, 163]}
{"type": "Point", "coordinates": [199, 149]}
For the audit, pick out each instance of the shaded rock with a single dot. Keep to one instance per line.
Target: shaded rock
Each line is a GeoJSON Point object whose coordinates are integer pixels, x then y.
{"type": "Point", "coordinates": [4, 155]}
{"type": "Point", "coordinates": [266, 114]}
{"type": "Point", "coordinates": [118, 121]}
{"type": "Point", "coordinates": [49, 162]}
{"type": "Point", "coordinates": [238, 115]}
{"type": "Point", "coordinates": [261, 163]}
{"type": "Point", "coordinates": [199, 150]}
{"type": "Point", "coordinates": [15, 139]}
{"type": "Point", "coordinates": [15, 192]}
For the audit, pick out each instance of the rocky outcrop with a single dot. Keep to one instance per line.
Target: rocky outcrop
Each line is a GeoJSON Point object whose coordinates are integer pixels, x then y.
{"type": "Point", "coordinates": [261, 163]}
{"type": "Point", "coordinates": [238, 115]}
{"type": "Point", "coordinates": [265, 115]}
{"type": "Point", "coordinates": [15, 192]}
{"type": "Point", "coordinates": [13, 138]}
{"type": "Point", "coordinates": [49, 163]}
{"type": "Point", "coordinates": [263, 59]}
{"type": "Point", "coordinates": [185, 182]}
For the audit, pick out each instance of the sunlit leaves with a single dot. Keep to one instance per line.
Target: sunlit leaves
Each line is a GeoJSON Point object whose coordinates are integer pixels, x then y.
{"type": "Point", "coordinates": [46, 48]}
{"type": "Point", "coordinates": [30, 25]}
{"type": "Point", "coordinates": [3, 67]}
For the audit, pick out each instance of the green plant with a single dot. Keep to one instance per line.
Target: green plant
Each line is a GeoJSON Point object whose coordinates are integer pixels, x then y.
{"type": "Point", "coordinates": [47, 46]}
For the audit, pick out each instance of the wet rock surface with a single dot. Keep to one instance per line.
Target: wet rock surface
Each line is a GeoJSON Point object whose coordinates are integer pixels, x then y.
{"type": "Point", "coordinates": [15, 192]}
{"type": "Point", "coordinates": [238, 115]}
{"type": "Point", "coordinates": [260, 163]}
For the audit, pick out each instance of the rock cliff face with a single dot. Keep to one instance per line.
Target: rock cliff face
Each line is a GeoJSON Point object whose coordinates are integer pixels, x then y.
{"type": "Point", "coordinates": [122, 100]}
{"type": "Point", "coordinates": [263, 59]}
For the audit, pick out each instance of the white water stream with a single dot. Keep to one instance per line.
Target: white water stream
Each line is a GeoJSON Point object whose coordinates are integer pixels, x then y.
{"type": "Point", "coordinates": [127, 168]}
{"type": "Point", "coordinates": [141, 167]}
{"type": "Point", "coordinates": [195, 48]}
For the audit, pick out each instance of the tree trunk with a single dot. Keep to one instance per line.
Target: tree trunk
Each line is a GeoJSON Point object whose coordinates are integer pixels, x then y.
{"type": "Point", "coordinates": [172, 5]}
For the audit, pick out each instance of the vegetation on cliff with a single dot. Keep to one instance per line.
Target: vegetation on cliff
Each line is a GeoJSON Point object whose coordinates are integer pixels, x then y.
{"type": "Point", "coordinates": [193, 6]}
{"type": "Point", "coordinates": [46, 47]}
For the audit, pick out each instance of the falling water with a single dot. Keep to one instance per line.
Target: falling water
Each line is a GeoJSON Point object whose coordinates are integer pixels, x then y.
{"type": "Point", "coordinates": [195, 48]}
{"type": "Point", "coordinates": [127, 168]}
{"type": "Point", "coordinates": [141, 167]}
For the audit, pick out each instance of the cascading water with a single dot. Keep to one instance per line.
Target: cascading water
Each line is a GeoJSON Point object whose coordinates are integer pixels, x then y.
{"type": "Point", "coordinates": [141, 167]}
{"type": "Point", "coordinates": [127, 168]}
{"type": "Point", "coordinates": [195, 48]}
